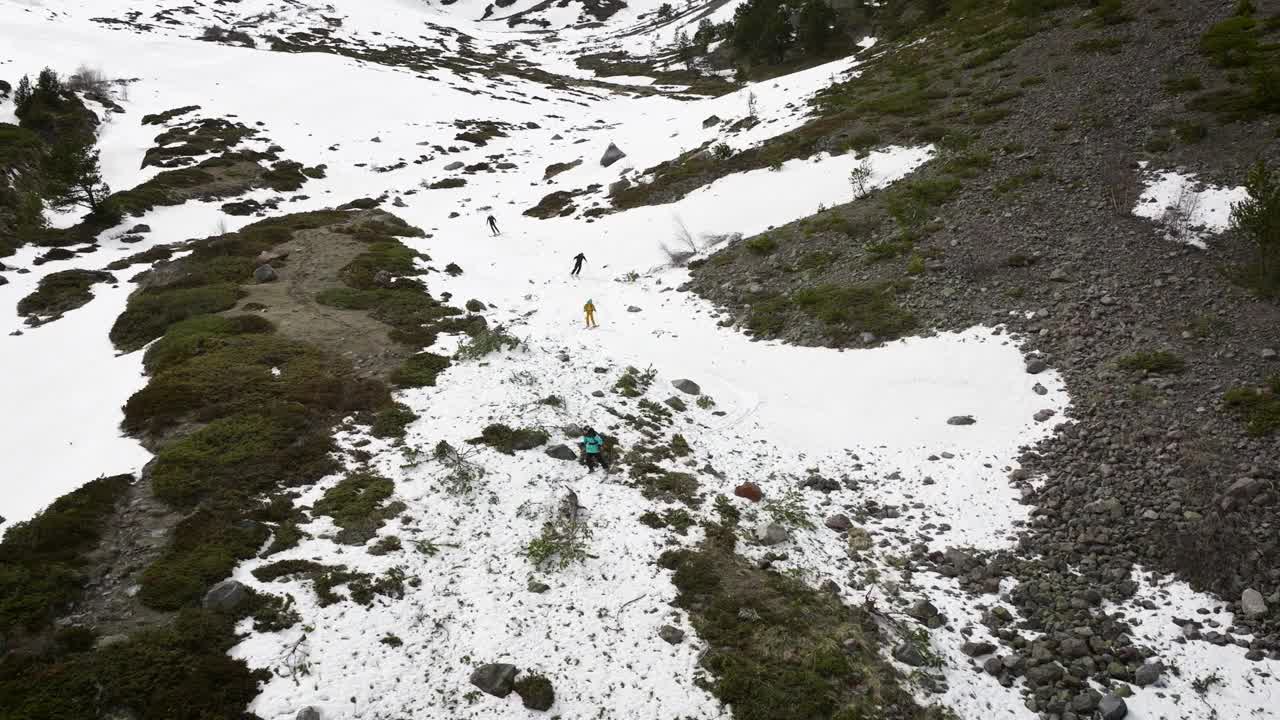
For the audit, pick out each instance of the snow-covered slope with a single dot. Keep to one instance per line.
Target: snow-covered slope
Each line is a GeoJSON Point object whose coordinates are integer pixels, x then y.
{"type": "Point", "coordinates": [876, 419]}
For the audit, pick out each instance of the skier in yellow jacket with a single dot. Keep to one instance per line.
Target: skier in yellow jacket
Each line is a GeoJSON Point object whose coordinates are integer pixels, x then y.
{"type": "Point", "coordinates": [590, 310]}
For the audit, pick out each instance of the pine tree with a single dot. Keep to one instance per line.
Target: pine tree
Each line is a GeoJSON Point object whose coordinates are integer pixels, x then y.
{"type": "Point", "coordinates": [1258, 219]}
{"type": "Point", "coordinates": [815, 27]}
{"type": "Point", "coordinates": [76, 178]}
{"type": "Point", "coordinates": [22, 96]}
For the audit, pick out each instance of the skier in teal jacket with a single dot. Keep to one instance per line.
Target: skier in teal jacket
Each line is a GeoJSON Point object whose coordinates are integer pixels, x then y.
{"type": "Point", "coordinates": [593, 447]}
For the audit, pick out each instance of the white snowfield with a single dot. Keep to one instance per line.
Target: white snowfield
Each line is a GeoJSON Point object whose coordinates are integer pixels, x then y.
{"type": "Point", "coordinates": [1189, 210]}
{"type": "Point", "coordinates": [875, 420]}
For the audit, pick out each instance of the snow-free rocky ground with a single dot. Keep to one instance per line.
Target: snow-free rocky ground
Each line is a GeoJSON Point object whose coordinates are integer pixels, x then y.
{"type": "Point", "coordinates": [875, 420]}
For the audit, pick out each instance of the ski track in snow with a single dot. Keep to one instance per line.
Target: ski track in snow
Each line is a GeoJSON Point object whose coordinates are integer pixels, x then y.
{"type": "Point", "coordinates": [875, 419]}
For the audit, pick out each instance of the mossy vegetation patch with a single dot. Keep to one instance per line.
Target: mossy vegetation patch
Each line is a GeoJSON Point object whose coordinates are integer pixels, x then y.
{"type": "Point", "coordinates": [61, 292]}
{"type": "Point", "coordinates": [358, 505]}
{"type": "Point", "coordinates": [803, 654]}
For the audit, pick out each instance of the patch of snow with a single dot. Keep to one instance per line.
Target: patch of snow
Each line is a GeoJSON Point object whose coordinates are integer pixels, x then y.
{"type": "Point", "coordinates": [1189, 210]}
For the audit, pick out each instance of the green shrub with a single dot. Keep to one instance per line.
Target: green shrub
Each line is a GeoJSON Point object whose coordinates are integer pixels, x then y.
{"type": "Point", "coordinates": [1232, 42]}
{"type": "Point", "coordinates": [357, 504]}
{"type": "Point", "coordinates": [1257, 220]}
{"type": "Point", "coordinates": [419, 370]}
{"type": "Point", "coordinates": [487, 341]}
{"type": "Point", "coordinates": [149, 313]}
{"type": "Point", "coordinates": [507, 440]}
{"type": "Point", "coordinates": [762, 244]}
{"type": "Point", "coordinates": [41, 559]}
{"type": "Point", "coordinates": [61, 292]}
{"type": "Point", "coordinates": [867, 307]}
{"type": "Point", "coordinates": [1153, 361]}
{"type": "Point", "coordinates": [204, 548]}
{"type": "Point", "coordinates": [1258, 407]}
{"type": "Point", "coordinates": [391, 421]}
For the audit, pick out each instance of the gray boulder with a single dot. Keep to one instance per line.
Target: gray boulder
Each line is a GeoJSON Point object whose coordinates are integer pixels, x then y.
{"type": "Point", "coordinates": [908, 654]}
{"type": "Point", "coordinates": [838, 522]}
{"type": "Point", "coordinates": [977, 649]}
{"type": "Point", "coordinates": [538, 587]}
{"type": "Point", "coordinates": [686, 386]}
{"type": "Point", "coordinates": [676, 404]}
{"type": "Point", "coordinates": [562, 452]}
{"type": "Point", "coordinates": [671, 634]}
{"type": "Point", "coordinates": [961, 420]}
{"type": "Point", "coordinates": [773, 534]}
{"type": "Point", "coordinates": [455, 165]}
{"type": "Point", "coordinates": [226, 596]}
{"type": "Point", "coordinates": [496, 679]}
{"type": "Point", "coordinates": [308, 713]}
{"type": "Point", "coordinates": [1148, 674]}
{"type": "Point", "coordinates": [1252, 604]}
{"type": "Point", "coordinates": [1035, 366]}
{"type": "Point", "coordinates": [1112, 708]}
{"type": "Point", "coordinates": [265, 274]}
{"type": "Point", "coordinates": [711, 121]}
{"type": "Point", "coordinates": [612, 154]}
{"type": "Point", "coordinates": [1042, 415]}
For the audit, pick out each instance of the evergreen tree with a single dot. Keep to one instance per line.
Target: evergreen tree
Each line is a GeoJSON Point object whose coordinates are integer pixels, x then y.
{"type": "Point", "coordinates": [76, 178]}
{"type": "Point", "coordinates": [815, 27]}
{"type": "Point", "coordinates": [1258, 219]}
{"type": "Point", "coordinates": [22, 96]}
{"type": "Point", "coordinates": [705, 34]}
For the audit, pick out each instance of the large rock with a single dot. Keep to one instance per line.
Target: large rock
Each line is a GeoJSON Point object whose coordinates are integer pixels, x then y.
{"type": "Point", "coordinates": [711, 121]}
{"type": "Point", "coordinates": [1046, 674]}
{"type": "Point", "coordinates": [1148, 674]}
{"type": "Point", "coordinates": [308, 713]}
{"type": "Point", "coordinates": [265, 274]}
{"type": "Point", "coordinates": [750, 491]}
{"type": "Point", "coordinates": [687, 386]}
{"type": "Point", "coordinates": [773, 534]}
{"type": "Point", "coordinates": [562, 452]}
{"type": "Point", "coordinates": [1035, 366]}
{"type": "Point", "coordinates": [977, 649]}
{"type": "Point", "coordinates": [1242, 491]}
{"type": "Point", "coordinates": [671, 634]}
{"type": "Point", "coordinates": [226, 596]}
{"type": "Point", "coordinates": [612, 154]}
{"type": "Point", "coordinates": [1112, 708]}
{"type": "Point", "coordinates": [838, 522]}
{"type": "Point", "coordinates": [497, 679]}
{"type": "Point", "coordinates": [909, 654]}
{"type": "Point", "coordinates": [1252, 604]}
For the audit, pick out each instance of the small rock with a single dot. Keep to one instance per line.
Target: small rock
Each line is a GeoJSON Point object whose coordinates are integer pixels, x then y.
{"type": "Point", "coordinates": [612, 154]}
{"type": "Point", "coordinates": [495, 679]}
{"type": "Point", "coordinates": [1035, 366]}
{"type": "Point", "coordinates": [1085, 702]}
{"type": "Point", "coordinates": [1039, 389]}
{"type": "Point", "coordinates": [977, 649]}
{"type": "Point", "coordinates": [632, 308]}
{"type": "Point", "coordinates": [711, 121]}
{"type": "Point", "coordinates": [773, 534]}
{"type": "Point", "coordinates": [1148, 674]}
{"type": "Point", "coordinates": [1252, 604]}
{"type": "Point", "coordinates": [562, 452]}
{"type": "Point", "coordinates": [961, 420]}
{"type": "Point", "coordinates": [908, 654]}
{"type": "Point", "coordinates": [139, 228]}
{"type": "Point", "coordinates": [1042, 415]}
{"type": "Point", "coordinates": [686, 386]}
{"type": "Point", "coordinates": [839, 523]}
{"type": "Point", "coordinates": [672, 635]}
{"type": "Point", "coordinates": [750, 491]}
{"type": "Point", "coordinates": [264, 274]}
{"type": "Point", "coordinates": [1112, 708]}
{"type": "Point", "coordinates": [922, 610]}
{"type": "Point", "coordinates": [455, 165]}
{"type": "Point", "coordinates": [226, 596]}
{"type": "Point", "coordinates": [993, 666]}
{"type": "Point", "coordinates": [1269, 354]}
{"type": "Point", "coordinates": [308, 713]}
{"type": "Point", "coordinates": [538, 587]}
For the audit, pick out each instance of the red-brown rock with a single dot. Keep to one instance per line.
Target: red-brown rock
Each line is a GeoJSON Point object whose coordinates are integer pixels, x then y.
{"type": "Point", "coordinates": [750, 491]}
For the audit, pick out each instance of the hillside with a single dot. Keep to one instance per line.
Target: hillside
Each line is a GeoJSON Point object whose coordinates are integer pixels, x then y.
{"type": "Point", "coordinates": [936, 368]}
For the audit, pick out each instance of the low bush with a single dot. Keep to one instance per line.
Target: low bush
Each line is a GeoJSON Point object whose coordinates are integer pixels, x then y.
{"type": "Point", "coordinates": [1257, 220]}
{"type": "Point", "coordinates": [358, 505]}
{"type": "Point", "coordinates": [507, 440]}
{"type": "Point", "coordinates": [419, 370]}
{"type": "Point", "coordinates": [1258, 407]}
{"type": "Point", "coordinates": [1160, 362]}
{"type": "Point", "coordinates": [849, 309]}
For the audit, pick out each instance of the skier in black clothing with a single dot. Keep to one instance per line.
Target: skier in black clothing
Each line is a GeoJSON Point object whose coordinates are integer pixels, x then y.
{"type": "Point", "coordinates": [577, 264]}
{"type": "Point", "coordinates": [493, 226]}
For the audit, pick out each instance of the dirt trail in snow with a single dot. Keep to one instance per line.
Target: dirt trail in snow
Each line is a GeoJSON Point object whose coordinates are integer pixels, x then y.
{"type": "Point", "coordinates": [314, 259]}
